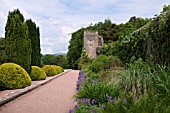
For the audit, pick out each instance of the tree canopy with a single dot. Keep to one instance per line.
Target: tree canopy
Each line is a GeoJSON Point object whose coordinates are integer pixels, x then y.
{"type": "Point", "coordinates": [18, 45]}
{"type": "Point", "coordinates": [34, 36]}
{"type": "Point", "coordinates": [108, 30]}
{"type": "Point", "coordinates": [59, 60]}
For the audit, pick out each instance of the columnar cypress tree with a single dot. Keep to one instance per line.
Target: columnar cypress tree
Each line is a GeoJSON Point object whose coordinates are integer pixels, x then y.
{"type": "Point", "coordinates": [19, 13]}
{"type": "Point", "coordinates": [18, 45]}
{"type": "Point", "coordinates": [38, 47]}
{"type": "Point", "coordinates": [3, 56]}
{"type": "Point", "coordinates": [35, 43]}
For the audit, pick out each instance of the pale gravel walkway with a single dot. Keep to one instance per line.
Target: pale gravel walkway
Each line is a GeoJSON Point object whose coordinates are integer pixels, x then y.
{"type": "Point", "coordinates": [53, 97]}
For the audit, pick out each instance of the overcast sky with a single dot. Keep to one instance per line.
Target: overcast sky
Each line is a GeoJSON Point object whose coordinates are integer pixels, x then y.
{"type": "Point", "coordinates": [58, 18]}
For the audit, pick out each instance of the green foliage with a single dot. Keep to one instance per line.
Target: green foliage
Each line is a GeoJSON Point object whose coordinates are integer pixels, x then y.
{"type": "Point", "coordinates": [83, 60]}
{"type": "Point", "coordinates": [110, 49]}
{"type": "Point", "coordinates": [13, 76]}
{"type": "Point", "coordinates": [2, 43]}
{"type": "Point", "coordinates": [85, 108]}
{"type": "Point", "coordinates": [98, 92]}
{"type": "Point", "coordinates": [139, 88]}
{"type": "Point", "coordinates": [48, 59]}
{"type": "Point", "coordinates": [59, 60]}
{"type": "Point", "coordinates": [108, 30]}
{"type": "Point", "coordinates": [58, 69]}
{"type": "Point", "coordinates": [49, 70]}
{"type": "Point", "coordinates": [100, 63]}
{"type": "Point", "coordinates": [62, 70]}
{"type": "Point", "coordinates": [147, 104]}
{"type": "Point", "coordinates": [136, 79]}
{"type": "Point", "coordinates": [37, 73]}
{"type": "Point", "coordinates": [110, 33]}
{"type": "Point", "coordinates": [161, 81]}
{"type": "Point", "coordinates": [34, 36]}
{"type": "Point", "coordinates": [18, 45]}
{"type": "Point", "coordinates": [103, 62]}
{"type": "Point", "coordinates": [17, 12]}
{"type": "Point", "coordinates": [166, 8]}
{"type": "Point", "coordinates": [75, 48]}
{"type": "Point", "coordinates": [151, 42]}
{"type": "Point", "coordinates": [3, 56]}
{"type": "Point", "coordinates": [140, 79]}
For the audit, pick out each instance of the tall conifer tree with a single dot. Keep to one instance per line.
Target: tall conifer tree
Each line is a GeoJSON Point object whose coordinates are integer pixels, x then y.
{"type": "Point", "coordinates": [34, 36]}
{"type": "Point", "coordinates": [18, 45]}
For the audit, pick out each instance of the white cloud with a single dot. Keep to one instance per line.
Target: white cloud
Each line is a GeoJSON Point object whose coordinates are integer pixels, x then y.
{"type": "Point", "coordinates": [58, 18]}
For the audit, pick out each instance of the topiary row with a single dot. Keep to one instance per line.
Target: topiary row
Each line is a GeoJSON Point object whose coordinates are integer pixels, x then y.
{"type": "Point", "coordinates": [52, 70]}
{"type": "Point", "coordinates": [13, 76]}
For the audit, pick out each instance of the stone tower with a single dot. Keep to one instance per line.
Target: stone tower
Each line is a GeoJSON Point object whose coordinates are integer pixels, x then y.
{"type": "Point", "coordinates": [92, 43]}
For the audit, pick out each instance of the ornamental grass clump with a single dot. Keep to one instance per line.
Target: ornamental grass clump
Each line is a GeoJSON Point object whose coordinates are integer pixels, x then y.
{"type": "Point", "coordinates": [49, 70]}
{"type": "Point", "coordinates": [13, 76]}
{"type": "Point", "coordinates": [98, 92]}
{"type": "Point", "coordinates": [137, 79]}
{"type": "Point", "coordinates": [37, 73]}
{"type": "Point", "coordinates": [161, 81]}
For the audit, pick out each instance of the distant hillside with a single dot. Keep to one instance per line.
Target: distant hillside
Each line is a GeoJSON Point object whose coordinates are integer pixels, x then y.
{"type": "Point", "coordinates": [57, 54]}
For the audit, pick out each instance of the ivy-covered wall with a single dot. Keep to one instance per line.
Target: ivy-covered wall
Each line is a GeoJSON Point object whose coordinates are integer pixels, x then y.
{"type": "Point", "coordinates": [151, 42]}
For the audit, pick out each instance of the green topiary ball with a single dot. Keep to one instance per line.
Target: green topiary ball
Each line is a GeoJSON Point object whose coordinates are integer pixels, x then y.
{"type": "Point", "coordinates": [49, 70]}
{"type": "Point", "coordinates": [13, 76]}
{"type": "Point", "coordinates": [37, 73]}
{"type": "Point", "coordinates": [58, 69]}
{"type": "Point", "coordinates": [61, 68]}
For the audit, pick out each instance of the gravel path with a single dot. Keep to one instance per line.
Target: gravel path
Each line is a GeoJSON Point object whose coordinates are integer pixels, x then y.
{"type": "Point", "coordinates": [53, 97]}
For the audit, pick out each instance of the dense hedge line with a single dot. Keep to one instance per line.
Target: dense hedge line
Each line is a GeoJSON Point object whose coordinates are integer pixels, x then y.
{"type": "Point", "coordinates": [151, 42]}
{"type": "Point", "coordinates": [52, 70]}
{"type": "Point", "coordinates": [13, 76]}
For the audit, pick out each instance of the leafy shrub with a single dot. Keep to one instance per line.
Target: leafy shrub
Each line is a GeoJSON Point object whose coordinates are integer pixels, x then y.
{"type": "Point", "coordinates": [100, 63]}
{"type": "Point", "coordinates": [58, 69]}
{"type": "Point", "coordinates": [83, 60]}
{"type": "Point", "coordinates": [37, 73]}
{"type": "Point", "coordinates": [103, 62]}
{"type": "Point", "coordinates": [49, 70]}
{"type": "Point", "coordinates": [151, 42]}
{"type": "Point", "coordinates": [13, 76]}
{"type": "Point", "coordinates": [62, 70]}
{"type": "Point", "coordinates": [110, 49]}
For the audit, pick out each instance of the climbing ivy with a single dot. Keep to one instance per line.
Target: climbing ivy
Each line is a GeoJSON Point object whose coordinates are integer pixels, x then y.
{"type": "Point", "coordinates": [151, 42]}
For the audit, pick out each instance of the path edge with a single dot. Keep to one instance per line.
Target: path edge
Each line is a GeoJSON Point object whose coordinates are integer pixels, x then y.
{"type": "Point", "coordinates": [13, 95]}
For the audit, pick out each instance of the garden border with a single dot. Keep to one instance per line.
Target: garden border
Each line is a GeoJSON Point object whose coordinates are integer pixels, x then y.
{"type": "Point", "coordinates": [13, 95]}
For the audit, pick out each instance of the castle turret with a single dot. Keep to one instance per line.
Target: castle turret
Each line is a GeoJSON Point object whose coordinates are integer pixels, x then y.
{"type": "Point", "coordinates": [92, 42]}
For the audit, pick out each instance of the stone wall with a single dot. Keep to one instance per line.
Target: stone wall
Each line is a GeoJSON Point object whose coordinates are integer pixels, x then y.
{"type": "Point", "coordinates": [92, 41]}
